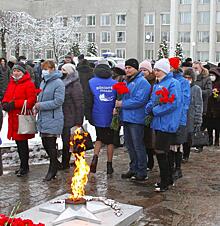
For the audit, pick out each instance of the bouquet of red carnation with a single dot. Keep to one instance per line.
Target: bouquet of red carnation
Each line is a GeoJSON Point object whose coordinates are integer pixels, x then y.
{"type": "Point", "coordinates": [121, 89]}
{"type": "Point", "coordinates": [11, 221]}
{"type": "Point", "coordinates": [163, 98]}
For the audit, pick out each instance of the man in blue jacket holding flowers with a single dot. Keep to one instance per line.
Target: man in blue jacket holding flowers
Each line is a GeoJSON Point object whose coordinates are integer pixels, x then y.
{"type": "Point", "coordinates": [165, 107]}
{"type": "Point", "coordinates": [132, 114]}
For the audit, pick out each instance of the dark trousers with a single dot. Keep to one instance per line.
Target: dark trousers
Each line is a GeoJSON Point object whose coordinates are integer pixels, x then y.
{"type": "Point", "coordinates": [66, 147]}
{"type": "Point", "coordinates": [150, 155]}
{"type": "Point", "coordinates": [186, 150]}
{"type": "Point", "coordinates": [23, 152]}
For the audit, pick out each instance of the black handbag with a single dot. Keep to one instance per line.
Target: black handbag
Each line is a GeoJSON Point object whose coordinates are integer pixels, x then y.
{"type": "Point", "coordinates": [199, 139]}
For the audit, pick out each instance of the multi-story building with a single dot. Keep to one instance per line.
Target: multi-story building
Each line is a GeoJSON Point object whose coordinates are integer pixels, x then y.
{"type": "Point", "coordinates": [130, 28]}
{"type": "Point", "coordinates": [197, 26]}
{"type": "Point", "coordinates": [135, 28]}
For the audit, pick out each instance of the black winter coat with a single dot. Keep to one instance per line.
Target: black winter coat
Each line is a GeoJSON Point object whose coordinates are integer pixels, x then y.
{"type": "Point", "coordinates": [85, 73]}
{"type": "Point", "coordinates": [73, 106]}
{"type": "Point", "coordinates": [4, 80]}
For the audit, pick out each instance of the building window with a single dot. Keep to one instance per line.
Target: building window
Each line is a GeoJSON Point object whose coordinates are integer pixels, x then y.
{"type": "Point", "coordinates": [204, 1]}
{"type": "Point", "coordinates": [165, 36]}
{"type": "Point", "coordinates": [184, 36]}
{"type": "Point", "coordinates": [182, 2]}
{"type": "Point", "coordinates": [149, 36]}
{"type": "Point", "coordinates": [64, 20]}
{"type": "Point", "coordinates": [104, 51]}
{"type": "Point", "coordinates": [217, 56]}
{"type": "Point", "coordinates": [149, 54]}
{"type": "Point", "coordinates": [203, 17]}
{"type": "Point", "coordinates": [121, 19]}
{"type": "Point", "coordinates": [105, 20]}
{"type": "Point", "coordinates": [165, 18]}
{"type": "Point", "coordinates": [186, 53]}
{"type": "Point", "coordinates": [218, 17]}
{"type": "Point", "coordinates": [49, 54]}
{"type": "Point", "coordinates": [203, 36]}
{"type": "Point", "coordinates": [78, 37]}
{"type": "Point", "coordinates": [121, 53]}
{"type": "Point", "coordinates": [90, 21]}
{"type": "Point", "coordinates": [105, 36]}
{"type": "Point", "coordinates": [120, 36]}
{"type": "Point", "coordinates": [185, 17]}
{"type": "Point", "coordinates": [77, 19]}
{"type": "Point", "coordinates": [91, 37]}
{"type": "Point", "coordinates": [203, 56]}
{"type": "Point", "coordinates": [218, 36]}
{"type": "Point", "coordinates": [149, 19]}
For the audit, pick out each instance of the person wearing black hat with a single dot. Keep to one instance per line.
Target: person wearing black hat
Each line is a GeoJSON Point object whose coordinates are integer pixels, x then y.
{"type": "Point", "coordinates": [133, 114]}
{"type": "Point", "coordinates": [99, 107]}
{"type": "Point", "coordinates": [19, 90]}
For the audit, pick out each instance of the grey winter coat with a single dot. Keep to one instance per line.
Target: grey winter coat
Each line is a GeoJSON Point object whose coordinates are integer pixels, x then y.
{"type": "Point", "coordinates": [51, 98]}
{"type": "Point", "coordinates": [205, 83]}
{"type": "Point", "coordinates": [73, 104]}
{"type": "Point", "coordinates": [194, 117]}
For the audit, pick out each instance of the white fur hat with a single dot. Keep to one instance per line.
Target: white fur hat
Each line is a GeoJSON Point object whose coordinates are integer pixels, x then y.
{"type": "Point", "coordinates": [163, 65]}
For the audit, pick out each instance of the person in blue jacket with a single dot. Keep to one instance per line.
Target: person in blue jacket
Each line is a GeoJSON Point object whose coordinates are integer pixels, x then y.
{"type": "Point", "coordinates": [166, 119]}
{"type": "Point", "coordinates": [100, 102]}
{"type": "Point", "coordinates": [132, 114]}
{"type": "Point", "coordinates": [50, 113]}
{"type": "Point", "coordinates": [175, 153]}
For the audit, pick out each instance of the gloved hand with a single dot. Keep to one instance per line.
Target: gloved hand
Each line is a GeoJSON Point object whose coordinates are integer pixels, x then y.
{"type": "Point", "coordinates": [197, 128]}
{"type": "Point", "coordinates": [8, 106]}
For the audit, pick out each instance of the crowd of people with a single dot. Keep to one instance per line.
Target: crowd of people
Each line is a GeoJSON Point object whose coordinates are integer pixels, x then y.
{"type": "Point", "coordinates": [165, 104]}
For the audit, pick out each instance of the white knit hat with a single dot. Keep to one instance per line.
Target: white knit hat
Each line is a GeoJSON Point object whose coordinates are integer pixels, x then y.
{"type": "Point", "coordinates": [163, 65]}
{"type": "Point", "coordinates": [69, 68]}
{"type": "Point", "coordinates": [146, 65]}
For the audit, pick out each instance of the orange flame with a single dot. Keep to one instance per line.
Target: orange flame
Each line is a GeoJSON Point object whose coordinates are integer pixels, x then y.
{"type": "Point", "coordinates": [79, 179]}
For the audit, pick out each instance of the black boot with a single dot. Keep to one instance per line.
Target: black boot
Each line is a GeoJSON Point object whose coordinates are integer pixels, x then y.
{"type": "Point", "coordinates": [216, 137]}
{"type": "Point", "coordinates": [171, 159]}
{"type": "Point", "coordinates": [164, 172]}
{"type": "Point", "coordinates": [210, 132]}
{"type": "Point", "coordinates": [66, 159]}
{"type": "Point", "coordinates": [52, 171]}
{"type": "Point", "coordinates": [178, 160]}
{"type": "Point", "coordinates": [110, 170]}
{"type": "Point", "coordinates": [94, 164]}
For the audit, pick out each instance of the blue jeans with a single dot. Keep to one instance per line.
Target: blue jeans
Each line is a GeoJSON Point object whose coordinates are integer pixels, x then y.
{"type": "Point", "coordinates": [134, 142]}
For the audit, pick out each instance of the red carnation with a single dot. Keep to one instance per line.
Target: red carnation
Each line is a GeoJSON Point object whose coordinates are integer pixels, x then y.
{"type": "Point", "coordinates": [120, 88]}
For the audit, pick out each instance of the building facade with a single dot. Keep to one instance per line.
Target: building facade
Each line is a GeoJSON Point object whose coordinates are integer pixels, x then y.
{"type": "Point", "coordinates": [135, 28]}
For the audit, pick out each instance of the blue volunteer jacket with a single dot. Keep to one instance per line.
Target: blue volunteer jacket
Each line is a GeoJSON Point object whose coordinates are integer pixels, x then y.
{"type": "Point", "coordinates": [166, 116]}
{"type": "Point", "coordinates": [134, 102]}
{"type": "Point", "coordinates": [185, 95]}
{"type": "Point", "coordinates": [103, 100]}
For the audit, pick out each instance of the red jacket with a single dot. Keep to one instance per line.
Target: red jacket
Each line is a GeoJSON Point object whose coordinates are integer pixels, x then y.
{"type": "Point", "coordinates": [18, 91]}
